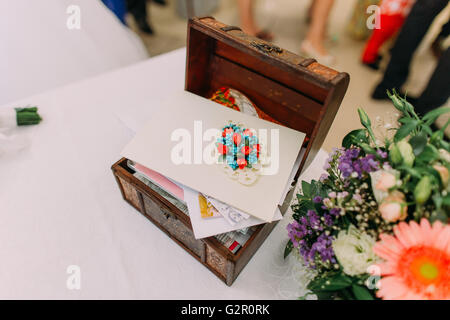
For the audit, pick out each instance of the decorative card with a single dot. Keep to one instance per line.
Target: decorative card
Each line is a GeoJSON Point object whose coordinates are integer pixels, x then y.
{"type": "Point", "coordinates": [236, 158]}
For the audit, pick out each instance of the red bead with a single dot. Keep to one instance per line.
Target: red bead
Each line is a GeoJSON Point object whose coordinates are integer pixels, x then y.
{"type": "Point", "coordinates": [228, 131]}
{"type": "Point", "coordinates": [242, 163]}
{"type": "Point", "coordinates": [246, 150]}
{"type": "Point", "coordinates": [237, 138]}
{"type": "Point", "coordinates": [222, 148]}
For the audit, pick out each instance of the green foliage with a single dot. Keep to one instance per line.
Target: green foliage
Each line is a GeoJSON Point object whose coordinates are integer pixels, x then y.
{"type": "Point", "coordinates": [340, 286]}
{"type": "Point", "coordinates": [406, 129]}
{"type": "Point", "coordinates": [418, 143]}
{"type": "Point", "coordinates": [355, 137]}
{"type": "Point", "coordinates": [288, 249]}
{"type": "Point", "coordinates": [334, 283]}
{"type": "Point", "coordinates": [361, 293]}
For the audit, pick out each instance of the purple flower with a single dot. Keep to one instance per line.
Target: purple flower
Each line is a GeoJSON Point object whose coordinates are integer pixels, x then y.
{"type": "Point", "coordinates": [295, 232]}
{"type": "Point", "coordinates": [323, 246]}
{"type": "Point", "coordinates": [317, 199]}
{"type": "Point", "coordinates": [335, 212]}
{"type": "Point", "coordinates": [350, 163]}
{"type": "Point", "coordinates": [382, 153]}
{"type": "Point", "coordinates": [346, 161]}
{"type": "Point", "coordinates": [328, 220]}
{"type": "Point", "coordinates": [369, 164]}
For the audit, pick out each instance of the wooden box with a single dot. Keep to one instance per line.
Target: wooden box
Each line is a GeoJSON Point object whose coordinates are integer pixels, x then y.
{"type": "Point", "coordinates": [298, 93]}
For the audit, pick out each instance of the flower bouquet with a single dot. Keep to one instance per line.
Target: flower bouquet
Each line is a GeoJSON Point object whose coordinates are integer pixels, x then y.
{"type": "Point", "coordinates": [375, 225]}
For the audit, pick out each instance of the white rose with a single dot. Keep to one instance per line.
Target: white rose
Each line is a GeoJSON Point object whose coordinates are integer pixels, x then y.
{"type": "Point", "coordinates": [353, 250]}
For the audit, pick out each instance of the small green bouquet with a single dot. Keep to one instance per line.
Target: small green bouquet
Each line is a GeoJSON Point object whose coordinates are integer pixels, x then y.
{"type": "Point", "coordinates": [10, 118]}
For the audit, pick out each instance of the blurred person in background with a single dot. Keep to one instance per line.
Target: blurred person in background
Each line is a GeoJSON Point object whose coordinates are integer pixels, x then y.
{"type": "Point", "coordinates": [248, 22]}
{"type": "Point", "coordinates": [437, 45]}
{"type": "Point", "coordinates": [392, 16]}
{"type": "Point", "coordinates": [313, 46]}
{"type": "Point", "coordinates": [414, 30]}
{"type": "Point", "coordinates": [138, 9]}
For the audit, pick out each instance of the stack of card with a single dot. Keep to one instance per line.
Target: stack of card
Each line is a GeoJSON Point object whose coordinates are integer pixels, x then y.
{"type": "Point", "coordinates": [174, 193]}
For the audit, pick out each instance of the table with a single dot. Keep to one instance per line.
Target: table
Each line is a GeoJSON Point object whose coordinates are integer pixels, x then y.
{"type": "Point", "coordinates": [60, 205]}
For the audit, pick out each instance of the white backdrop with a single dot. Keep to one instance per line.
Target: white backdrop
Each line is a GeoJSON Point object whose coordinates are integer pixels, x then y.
{"type": "Point", "coordinates": [38, 52]}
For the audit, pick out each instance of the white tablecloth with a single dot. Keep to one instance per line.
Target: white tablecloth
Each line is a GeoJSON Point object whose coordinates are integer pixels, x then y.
{"type": "Point", "coordinates": [60, 205]}
{"type": "Point", "coordinates": [39, 52]}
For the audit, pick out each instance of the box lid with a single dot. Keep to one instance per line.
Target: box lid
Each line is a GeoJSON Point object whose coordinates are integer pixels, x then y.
{"type": "Point", "coordinates": [296, 92]}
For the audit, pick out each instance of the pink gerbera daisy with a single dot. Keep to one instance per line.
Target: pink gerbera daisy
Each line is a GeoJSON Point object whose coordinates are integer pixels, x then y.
{"type": "Point", "coordinates": [417, 262]}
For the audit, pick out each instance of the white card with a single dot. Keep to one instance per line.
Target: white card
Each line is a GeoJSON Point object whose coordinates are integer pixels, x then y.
{"type": "Point", "coordinates": [156, 145]}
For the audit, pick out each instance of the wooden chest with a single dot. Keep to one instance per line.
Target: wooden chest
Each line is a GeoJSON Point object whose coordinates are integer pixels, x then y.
{"type": "Point", "coordinates": [296, 92]}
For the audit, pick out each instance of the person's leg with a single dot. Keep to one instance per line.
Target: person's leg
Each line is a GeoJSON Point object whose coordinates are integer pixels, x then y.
{"type": "Point", "coordinates": [416, 26]}
{"type": "Point", "coordinates": [437, 91]}
{"type": "Point", "coordinates": [248, 23]}
{"type": "Point", "coordinates": [445, 31]}
{"type": "Point", "coordinates": [320, 12]}
{"type": "Point", "coordinates": [390, 24]}
{"type": "Point", "coordinates": [436, 46]}
{"type": "Point", "coordinates": [138, 9]}
{"type": "Point", "coordinates": [310, 11]}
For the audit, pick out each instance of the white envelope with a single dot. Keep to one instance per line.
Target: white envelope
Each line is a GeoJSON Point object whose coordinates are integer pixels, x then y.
{"type": "Point", "coordinates": [204, 228]}
{"type": "Point", "coordinates": [153, 146]}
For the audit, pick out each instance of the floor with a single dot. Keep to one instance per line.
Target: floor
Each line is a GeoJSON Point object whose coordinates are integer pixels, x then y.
{"type": "Point", "coordinates": [286, 19]}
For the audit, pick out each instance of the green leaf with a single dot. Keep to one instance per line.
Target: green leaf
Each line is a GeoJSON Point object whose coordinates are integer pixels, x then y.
{"type": "Point", "coordinates": [306, 189]}
{"type": "Point", "coordinates": [429, 154]}
{"type": "Point", "coordinates": [367, 148]}
{"type": "Point", "coordinates": [335, 283]}
{"type": "Point", "coordinates": [418, 143]}
{"type": "Point", "coordinates": [361, 293]}
{"type": "Point", "coordinates": [427, 130]}
{"type": "Point", "coordinates": [437, 199]}
{"type": "Point", "coordinates": [288, 248]}
{"type": "Point", "coordinates": [406, 120]}
{"type": "Point", "coordinates": [405, 130]}
{"type": "Point", "coordinates": [415, 173]}
{"type": "Point", "coordinates": [431, 116]}
{"type": "Point", "coordinates": [446, 200]}
{"type": "Point", "coordinates": [355, 137]}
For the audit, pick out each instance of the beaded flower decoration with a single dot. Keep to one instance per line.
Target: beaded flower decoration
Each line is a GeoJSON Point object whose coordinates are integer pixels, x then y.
{"type": "Point", "coordinates": [239, 151]}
